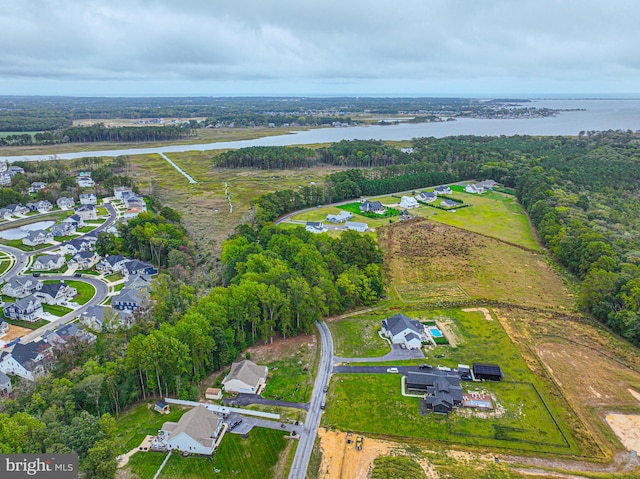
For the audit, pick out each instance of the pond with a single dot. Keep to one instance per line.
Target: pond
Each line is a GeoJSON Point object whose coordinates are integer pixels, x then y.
{"type": "Point", "coordinates": [22, 231]}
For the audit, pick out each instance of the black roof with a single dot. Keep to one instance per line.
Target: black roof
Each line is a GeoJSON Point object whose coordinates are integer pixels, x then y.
{"type": "Point", "coordinates": [488, 369]}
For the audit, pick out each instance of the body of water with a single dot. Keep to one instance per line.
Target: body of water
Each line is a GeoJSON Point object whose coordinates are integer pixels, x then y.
{"type": "Point", "coordinates": [588, 115]}
{"type": "Point", "coordinates": [22, 231]}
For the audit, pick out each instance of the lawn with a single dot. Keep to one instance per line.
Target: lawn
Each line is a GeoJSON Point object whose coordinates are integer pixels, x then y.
{"type": "Point", "coordinates": [18, 244]}
{"type": "Point", "coordinates": [56, 310]}
{"type": "Point", "coordinates": [114, 277]}
{"type": "Point", "coordinates": [251, 458]}
{"type": "Point", "coordinates": [85, 291]}
{"type": "Point", "coordinates": [357, 336]}
{"type": "Point", "coordinates": [373, 404]}
{"type": "Point", "coordinates": [25, 324]}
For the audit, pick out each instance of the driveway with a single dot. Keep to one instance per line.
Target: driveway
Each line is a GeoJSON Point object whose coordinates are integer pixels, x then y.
{"type": "Point", "coordinates": [244, 399]}
{"type": "Point", "coordinates": [249, 422]}
{"type": "Point", "coordinates": [397, 353]}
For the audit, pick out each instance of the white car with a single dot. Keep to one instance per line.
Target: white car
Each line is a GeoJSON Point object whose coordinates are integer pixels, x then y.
{"type": "Point", "coordinates": [392, 370]}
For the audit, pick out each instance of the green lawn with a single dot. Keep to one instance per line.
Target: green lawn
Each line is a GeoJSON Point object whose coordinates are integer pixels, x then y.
{"type": "Point", "coordinates": [139, 422]}
{"type": "Point", "coordinates": [56, 310]}
{"type": "Point", "coordinates": [493, 214]}
{"type": "Point", "coordinates": [5, 264]}
{"type": "Point", "coordinates": [357, 336]}
{"type": "Point", "coordinates": [86, 229]}
{"type": "Point", "coordinates": [18, 244]}
{"type": "Point", "coordinates": [85, 291]}
{"type": "Point", "coordinates": [251, 458]}
{"type": "Point", "coordinates": [113, 277]}
{"type": "Point", "coordinates": [288, 381]}
{"type": "Point", "coordinates": [25, 324]}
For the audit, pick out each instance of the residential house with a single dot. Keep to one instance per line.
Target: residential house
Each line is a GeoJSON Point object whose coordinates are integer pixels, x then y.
{"type": "Point", "coordinates": [5, 385]}
{"type": "Point", "coordinates": [91, 236]}
{"type": "Point", "coordinates": [120, 191]}
{"type": "Point", "coordinates": [26, 309]}
{"type": "Point", "coordinates": [315, 227]}
{"type": "Point", "coordinates": [5, 178]}
{"type": "Point", "coordinates": [88, 199]}
{"type": "Point", "coordinates": [5, 214]}
{"type": "Point", "coordinates": [112, 263]}
{"type": "Point", "coordinates": [134, 267]}
{"type": "Point", "coordinates": [245, 377]}
{"type": "Point", "coordinates": [427, 197]}
{"type": "Point", "coordinates": [84, 260]}
{"type": "Point", "coordinates": [443, 390]}
{"type": "Point", "coordinates": [21, 286]}
{"type": "Point", "coordinates": [129, 300]}
{"type": "Point", "coordinates": [17, 209]}
{"type": "Point", "coordinates": [196, 432]}
{"type": "Point", "coordinates": [76, 245]}
{"type": "Point", "coordinates": [131, 213]}
{"type": "Point", "coordinates": [48, 262]}
{"type": "Point", "coordinates": [404, 330]}
{"type": "Point", "coordinates": [86, 212]}
{"type": "Point", "coordinates": [135, 201]}
{"type": "Point", "coordinates": [55, 293]}
{"type": "Point", "coordinates": [74, 220]}
{"type": "Point", "coordinates": [138, 281]}
{"type": "Point", "coordinates": [68, 332]}
{"type": "Point", "coordinates": [355, 226]}
{"type": "Point", "coordinates": [372, 207]}
{"type": "Point", "coordinates": [65, 203]}
{"type": "Point", "coordinates": [13, 170]}
{"type": "Point", "coordinates": [37, 186]}
{"type": "Point", "coordinates": [449, 204]}
{"type": "Point", "coordinates": [29, 360]}
{"type": "Point", "coordinates": [37, 238]}
{"type": "Point", "coordinates": [85, 182]}
{"type": "Point", "coordinates": [488, 184]}
{"type": "Point", "coordinates": [408, 202]}
{"type": "Point", "coordinates": [99, 318]}
{"type": "Point", "coordinates": [474, 188]}
{"type": "Point", "coordinates": [340, 217]}
{"type": "Point", "coordinates": [63, 229]}
{"type": "Point", "coordinates": [443, 190]}
{"type": "Point", "coordinates": [43, 206]}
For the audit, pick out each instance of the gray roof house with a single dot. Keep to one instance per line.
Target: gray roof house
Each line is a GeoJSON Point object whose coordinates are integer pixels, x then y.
{"type": "Point", "coordinates": [426, 197]}
{"type": "Point", "coordinates": [443, 190]}
{"type": "Point", "coordinates": [372, 206]}
{"type": "Point", "coordinates": [356, 226]}
{"type": "Point", "coordinates": [196, 432]}
{"type": "Point", "coordinates": [340, 217]}
{"type": "Point", "coordinates": [37, 186]}
{"type": "Point", "coordinates": [404, 330]}
{"type": "Point", "coordinates": [5, 385]}
{"type": "Point", "coordinates": [55, 293]}
{"type": "Point", "coordinates": [138, 281]}
{"type": "Point", "coordinates": [27, 309]}
{"type": "Point", "coordinates": [75, 220]}
{"type": "Point", "coordinates": [135, 267]}
{"type": "Point", "coordinates": [245, 377]}
{"type": "Point", "coordinates": [88, 199]}
{"type": "Point", "coordinates": [86, 212]}
{"type": "Point", "coordinates": [63, 229]}
{"type": "Point", "coordinates": [21, 286]}
{"type": "Point", "coordinates": [65, 203]}
{"type": "Point", "coordinates": [315, 227]}
{"type": "Point", "coordinates": [112, 263]}
{"type": "Point", "coordinates": [443, 390]}
{"type": "Point", "coordinates": [48, 262]}
{"type": "Point", "coordinates": [128, 300]}
{"type": "Point", "coordinates": [28, 360]}
{"type": "Point", "coordinates": [63, 334]}
{"type": "Point", "coordinates": [37, 237]}
{"type": "Point", "coordinates": [84, 259]}
{"type": "Point", "coordinates": [76, 245]}
{"type": "Point", "coordinates": [17, 209]}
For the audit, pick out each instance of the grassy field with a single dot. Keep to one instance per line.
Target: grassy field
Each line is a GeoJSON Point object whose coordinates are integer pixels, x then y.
{"type": "Point", "coordinates": [85, 291]}
{"type": "Point", "coordinates": [56, 309]}
{"type": "Point", "coordinates": [423, 256]}
{"type": "Point", "coordinates": [396, 467]}
{"type": "Point", "coordinates": [357, 336]}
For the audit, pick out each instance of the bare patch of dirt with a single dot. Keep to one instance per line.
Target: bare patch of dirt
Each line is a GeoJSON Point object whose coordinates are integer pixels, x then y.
{"type": "Point", "coordinates": [627, 429]}
{"type": "Point", "coordinates": [15, 332]}
{"type": "Point", "coordinates": [263, 353]}
{"type": "Point", "coordinates": [635, 394]}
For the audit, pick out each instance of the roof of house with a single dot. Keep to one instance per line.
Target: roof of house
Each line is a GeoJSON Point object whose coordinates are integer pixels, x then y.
{"type": "Point", "coordinates": [200, 424]}
{"type": "Point", "coordinates": [126, 296]}
{"type": "Point", "coordinates": [4, 379]}
{"type": "Point", "coordinates": [248, 372]}
{"type": "Point", "coordinates": [355, 224]}
{"type": "Point", "coordinates": [488, 369]}
{"type": "Point", "coordinates": [213, 391]}
{"type": "Point", "coordinates": [135, 265]}
{"type": "Point", "coordinates": [37, 234]}
{"type": "Point", "coordinates": [21, 281]}
{"type": "Point", "coordinates": [26, 353]}
{"type": "Point", "coordinates": [52, 289]}
{"type": "Point", "coordinates": [76, 243]}
{"type": "Point", "coordinates": [430, 378]}
{"type": "Point", "coordinates": [44, 259]}
{"type": "Point", "coordinates": [371, 205]}
{"type": "Point", "coordinates": [138, 281]}
{"type": "Point", "coordinates": [399, 322]}
{"type": "Point", "coordinates": [114, 259]}
{"type": "Point", "coordinates": [85, 208]}
{"type": "Point", "coordinates": [161, 404]}
{"type": "Point", "coordinates": [84, 255]}
{"type": "Point", "coordinates": [412, 336]}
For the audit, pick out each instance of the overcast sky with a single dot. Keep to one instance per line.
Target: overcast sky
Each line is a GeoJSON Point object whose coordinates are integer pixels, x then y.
{"type": "Point", "coordinates": [328, 47]}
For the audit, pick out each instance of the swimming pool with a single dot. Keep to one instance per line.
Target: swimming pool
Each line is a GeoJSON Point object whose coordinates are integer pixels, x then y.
{"type": "Point", "coordinates": [435, 332]}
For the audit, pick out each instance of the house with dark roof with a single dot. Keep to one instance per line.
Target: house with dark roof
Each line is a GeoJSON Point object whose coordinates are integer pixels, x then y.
{"type": "Point", "coordinates": [63, 229]}
{"type": "Point", "coordinates": [120, 191]}
{"type": "Point", "coordinates": [138, 281]}
{"type": "Point", "coordinates": [75, 246]}
{"type": "Point", "coordinates": [427, 197]}
{"type": "Point", "coordinates": [315, 227]}
{"type": "Point", "coordinates": [112, 263]}
{"type": "Point", "coordinates": [17, 209]}
{"type": "Point", "coordinates": [88, 199]}
{"type": "Point", "coordinates": [4, 327]}
{"type": "Point", "coordinates": [37, 238]}
{"type": "Point", "coordinates": [65, 203]}
{"type": "Point", "coordinates": [442, 389]}
{"type": "Point", "coordinates": [449, 204]}
{"type": "Point", "coordinates": [28, 360]}
{"type": "Point", "coordinates": [340, 217]}
{"type": "Point", "coordinates": [491, 372]}
{"type": "Point", "coordinates": [135, 267]}
{"type": "Point", "coordinates": [162, 407]}
{"type": "Point", "coordinates": [55, 293]}
{"type": "Point", "coordinates": [26, 309]}
{"type": "Point", "coordinates": [129, 300]}
{"type": "Point", "coordinates": [84, 259]}
{"type": "Point", "coordinates": [48, 262]}
{"type": "Point", "coordinates": [37, 186]}
{"type": "Point", "coordinates": [372, 207]}
{"type": "Point", "coordinates": [245, 377]}
{"type": "Point", "coordinates": [74, 220]}
{"type": "Point", "coordinates": [86, 212]}
{"type": "Point", "coordinates": [43, 206]}
{"type": "Point", "coordinates": [5, 385]}
{"type": "Point", "coordinates": [67, 332]}
{"type": "Point", "coordinates": [443, 190]}
{"type": "Point", "coordinates": [21, 286]}
{"type": "Point", "coordinates": [98, 318]}
{"type": "Point", "coordinates": [401, 329]}
{"type": "Point", "coordinates": [196, 432]}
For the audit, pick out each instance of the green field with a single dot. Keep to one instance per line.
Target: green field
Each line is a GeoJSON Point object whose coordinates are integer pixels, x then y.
{"type": "Point", "coordinates": [140, 421]}
{"type": "Point", "coordinates": [56, 310]}
{"type": "Point", "coordinates": [288, 380]}
{"type": "Point", "coordinates": [85, 291]}
{"type": "Point", "coordinates": [357, 336]}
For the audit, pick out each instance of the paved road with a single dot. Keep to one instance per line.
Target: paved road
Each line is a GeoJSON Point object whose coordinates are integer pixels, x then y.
{"type": "Point", "coordinates": [245, 399]}
{"type": "Point", "coordinates": [397, 353]}
{"type": "Point", "coordinates": [310, 429]}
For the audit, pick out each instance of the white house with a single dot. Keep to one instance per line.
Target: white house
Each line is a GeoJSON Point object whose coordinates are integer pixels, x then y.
{"type": "Point", "coordinates": [408, 202]}
{"type": "Point", "coordinates": [88, 199]}
{"type": "Point", "coordinates": [48, 262]}
{"type": "Point", "coordinates": [112, 263]}
{"type": "Point", "coordinates": [245, 377]}
{"type": "Point", "coordinates": [74, 220]}
{"type": "Point", "coordinates": [426, 197]}
{"type": "Point", "coordinates": [315, 227]}
{"type": "Point", "coordinates": [120, 191]}
{"type": "Point", "coordinates": [84, 259]}
{"type": "Point", "coordinates": [37, 186]}
{"type": "Point", "coordinates": [65, 203]}
{"type": "Point", "coordinates": [355, 226]}
{"type": "Point", "coordinates": [403, 330]}
{"type": "Point", "coordinates": [443, 190]}
{"type": "Point", "coordinates": [21, 286]}
{"type": "Point", "coordinates": [196, 432]}
{"type": "Point", "coordinates": [28, 361]}
{"type": "Point", "coordinates": [85, 182]}
{"type": "Point", "coordinates": [340, 217]}
{"type": "Point", "coordinates": [37, 237]}
{"type": "Point", "coordinates": [75, 246]}
{"type": "Point", "coordinates": [86, 212]}
{"type": "Point", "coordinates": [55, 293]}
{"type": "Point", "coordinates": [474, 188]}
{"type": "Point", "coordinates": [26, 309]}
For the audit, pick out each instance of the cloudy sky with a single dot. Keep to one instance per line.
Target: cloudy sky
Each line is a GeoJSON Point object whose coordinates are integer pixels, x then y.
{"type": "Point", "coordinates": [328, 47]}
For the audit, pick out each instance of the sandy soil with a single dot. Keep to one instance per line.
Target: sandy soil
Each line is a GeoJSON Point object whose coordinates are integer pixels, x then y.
{"type": "Point", "coordinates": [485, 311]}
{"type": "Point", "coordinates": [635, 394]}
{"type": "Point", "coordinates": [280, 347]}
{"type": "Point", "coordinates": [627, 428]}
{"type": "Point", "coordinates": [14, 332]}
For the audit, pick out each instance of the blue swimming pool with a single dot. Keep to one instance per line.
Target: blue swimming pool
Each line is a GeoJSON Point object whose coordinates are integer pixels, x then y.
{"type": "Point", "coordinates": [435, 332]}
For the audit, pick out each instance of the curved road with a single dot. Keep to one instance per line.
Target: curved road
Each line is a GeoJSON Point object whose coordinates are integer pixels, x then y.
{"type": "Point", "coordinates": [310, 429]}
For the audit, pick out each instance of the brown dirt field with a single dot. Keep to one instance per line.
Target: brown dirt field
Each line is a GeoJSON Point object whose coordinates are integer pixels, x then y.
{"type": "Point", "coordinates": [627, 428]}
{"type": "Point", "coordinates": [423, 252]}
{"type": "Point", "coordinates": [14, 331]}
{"type": "Point", "coordinates": [280, 348]}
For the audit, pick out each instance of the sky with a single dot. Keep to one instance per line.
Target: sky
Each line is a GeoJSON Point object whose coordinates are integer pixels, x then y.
{"type": "Point", "coordinates": [324, 48]}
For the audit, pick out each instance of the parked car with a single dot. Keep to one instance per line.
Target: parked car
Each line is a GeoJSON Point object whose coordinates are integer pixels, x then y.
{"type": "Point", "coordinates": [425, 366]}
{"type": "Point", "coordinates": [325, 388]}
{"type": "Point", "coordinates": [392, 370]}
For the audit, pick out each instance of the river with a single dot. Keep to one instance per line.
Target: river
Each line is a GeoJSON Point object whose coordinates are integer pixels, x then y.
{"type": "Point", "coordinates": [588, 115]}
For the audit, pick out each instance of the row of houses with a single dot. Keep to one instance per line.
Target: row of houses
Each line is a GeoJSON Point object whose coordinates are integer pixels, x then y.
{"type": "Point", "coordinates": [319, 227]}
{"type": "Point", "coordinates": [8, 172]}
{"type": "Point", "coordinates": [29, 307]}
